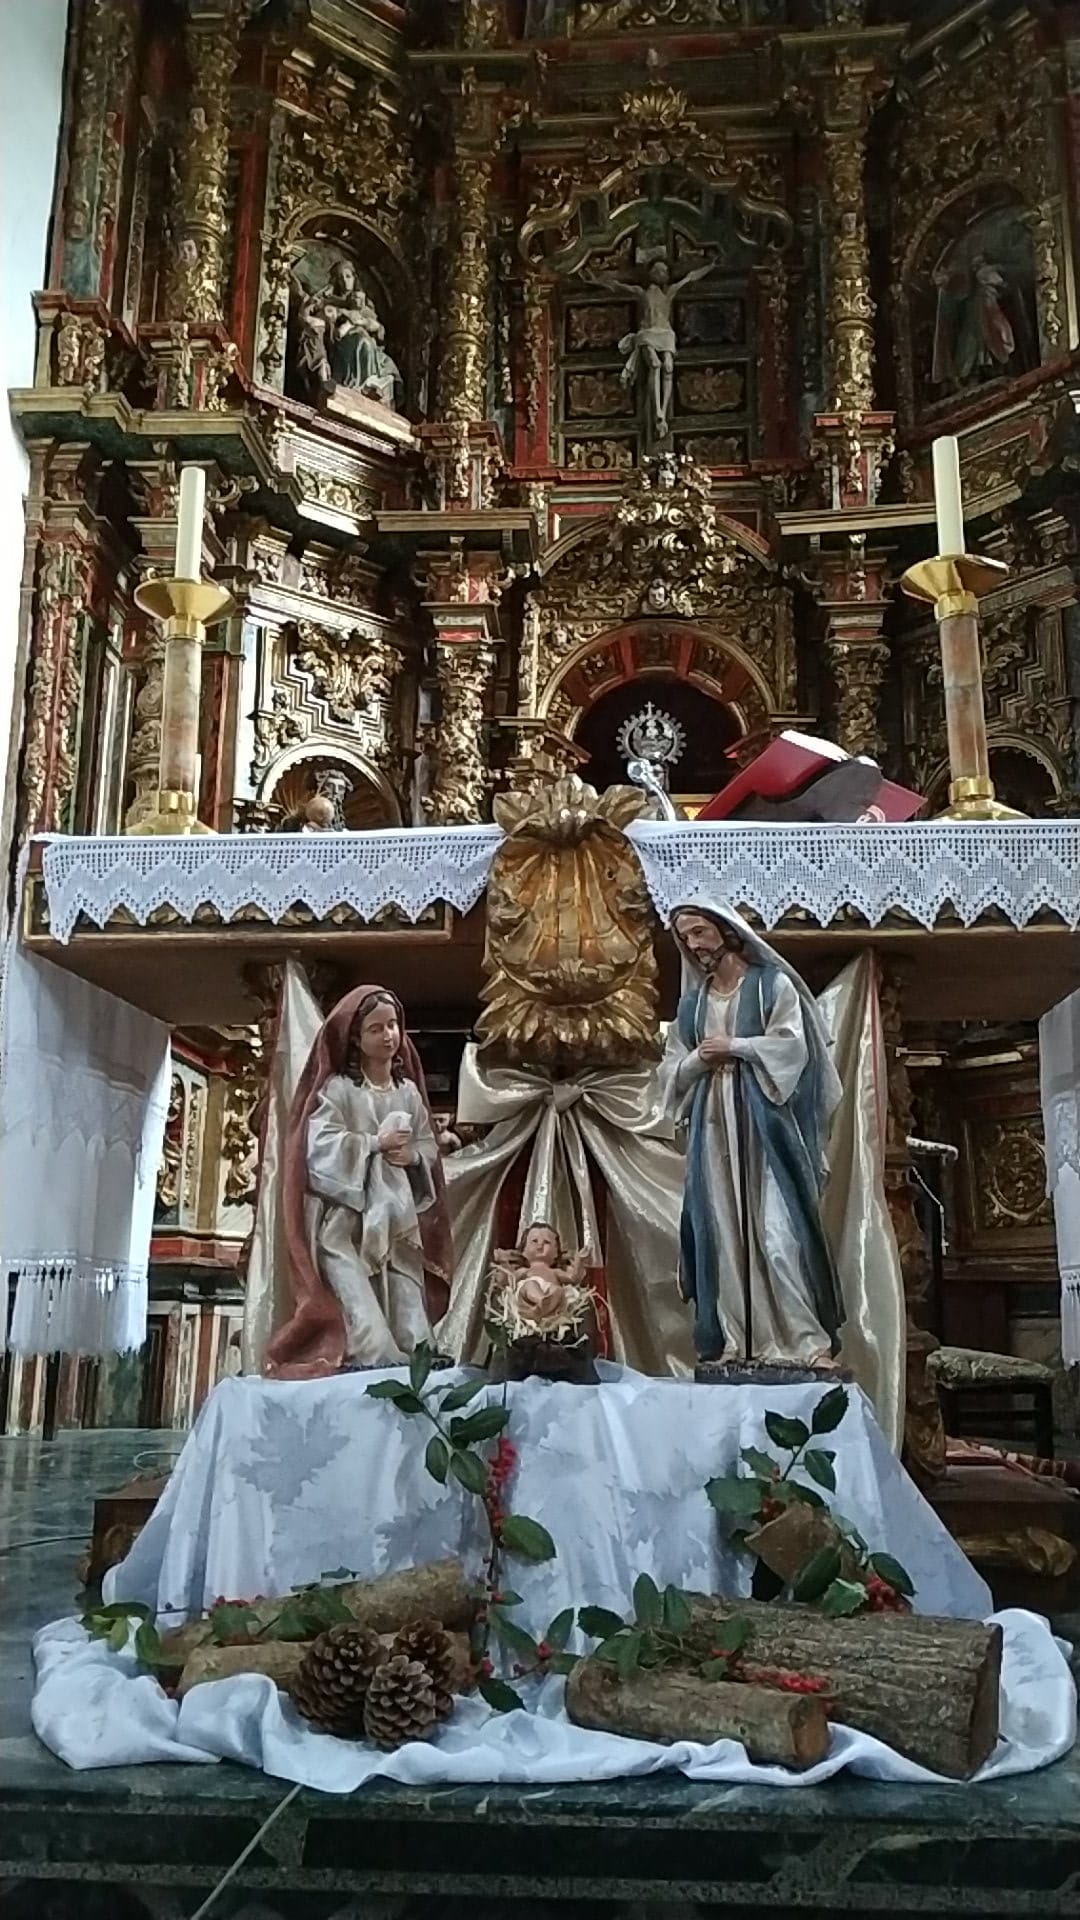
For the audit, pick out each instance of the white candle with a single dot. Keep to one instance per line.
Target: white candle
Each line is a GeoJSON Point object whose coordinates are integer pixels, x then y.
{"type": "Point", "coordinates": [948, 500]}
{"type": "Point", "coordinates": [189, 525]}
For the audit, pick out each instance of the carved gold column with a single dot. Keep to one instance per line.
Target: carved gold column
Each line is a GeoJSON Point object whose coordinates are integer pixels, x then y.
{"type": "Point", "coordinates": [924, 1427]}
{"type": "Point", "coordinates": [463, 366]}
{"type": "Point", "coordinates": [195, 288]}
{"type": "Point", "coordinates": [48, 776]}
{"type": "Point", "coordinates": [858, 659]}
{"type": "Point", "coordinates": [463, 601]}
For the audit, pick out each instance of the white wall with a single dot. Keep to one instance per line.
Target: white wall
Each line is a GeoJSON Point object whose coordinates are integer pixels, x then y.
{"type": "Point", "coordinates": [31, 85]}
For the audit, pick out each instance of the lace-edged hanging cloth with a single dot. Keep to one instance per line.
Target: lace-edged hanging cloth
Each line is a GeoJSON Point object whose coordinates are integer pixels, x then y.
{"type": "Point", "coordinates": [1059, 1078]}
{"type": "Point", "coordinates": [84, 1083]}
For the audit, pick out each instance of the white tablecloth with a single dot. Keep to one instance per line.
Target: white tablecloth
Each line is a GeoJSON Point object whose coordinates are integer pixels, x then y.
{"type": "Point", "coordinates": [280, 1483]}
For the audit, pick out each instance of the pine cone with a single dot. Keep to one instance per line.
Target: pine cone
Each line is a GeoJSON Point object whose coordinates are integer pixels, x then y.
{"type": "Point", "coordinates": [429, 1642]}
{"type": "Point", "coordinates": [400, 1703]}
{"type": "Point", "coordinates": [333, 1679]}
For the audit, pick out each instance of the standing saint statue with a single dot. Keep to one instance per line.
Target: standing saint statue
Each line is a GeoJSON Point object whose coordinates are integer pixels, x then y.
{"type": "Point", "coordinates": [366, 1225]}
{"type": "Point", "coordinates": [748, 1072]}
{"type": "Point", "coordinates": [651, 348]}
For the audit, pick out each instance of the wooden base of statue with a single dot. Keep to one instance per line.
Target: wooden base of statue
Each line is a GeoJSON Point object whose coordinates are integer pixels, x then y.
{"type": "Point", "coordinates": [767, 1373]}
{"type": "Point", "coordinates": [361, 410]}
{"type": "Point", "coordinates": [540, 1359]}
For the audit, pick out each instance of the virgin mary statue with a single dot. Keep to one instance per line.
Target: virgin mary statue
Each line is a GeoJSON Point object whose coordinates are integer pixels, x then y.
{"type": "Point", "coordinates": [749, 1074]}
{"type": "Point", "coordinates": [366, 1227]}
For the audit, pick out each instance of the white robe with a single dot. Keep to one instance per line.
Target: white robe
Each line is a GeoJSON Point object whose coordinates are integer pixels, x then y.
{"type": "Point", "coordinates": [784, 1325]}
{"type": "Point", "coordinates": [363, 1215]}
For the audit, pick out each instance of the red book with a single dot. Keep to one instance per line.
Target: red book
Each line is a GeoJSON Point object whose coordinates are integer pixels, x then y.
{"type": "Point", "coordinates": [788, 781]}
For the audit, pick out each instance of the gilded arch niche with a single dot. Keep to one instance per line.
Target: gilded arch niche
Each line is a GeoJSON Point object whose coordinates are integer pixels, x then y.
{"type": "Point", "coordinates": [665, 583]}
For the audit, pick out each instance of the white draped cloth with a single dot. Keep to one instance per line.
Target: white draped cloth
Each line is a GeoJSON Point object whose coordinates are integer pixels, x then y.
{"type": "Point", "coordinates": [84, 1085]}
{"type": "Point", "coordinates": [1059, 1076]}
{"type": "Point", "coordinates": [281, 1481]}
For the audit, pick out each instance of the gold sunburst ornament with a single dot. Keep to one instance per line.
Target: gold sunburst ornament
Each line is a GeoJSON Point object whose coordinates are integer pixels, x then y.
{"type": "Point", "coordinates": [570, 973]}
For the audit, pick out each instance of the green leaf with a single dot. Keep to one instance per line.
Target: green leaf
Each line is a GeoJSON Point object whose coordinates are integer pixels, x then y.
{"type": "Point", "coordinates": [402, 1396]}
{"type": "Point", "coordinates": [795, 1494]}
{"type": "Point", "coordinates": [148, 1648]}
{"type": "Point", "coordinates": [100, 1617]}
{"type": "Point", "coordinates": [306, 1614]}
{"type": "Point", "coordinates": [648, 1606]}
{"type": "Point", "coordinates": [498, 1695]}
{"type": "Point", "coordinates": [514, 1637]}
{"type": "Point", "coordinates": [341, 1573]}
{"type": "Point", "coordinates": [527, 1538]}
{"type": "Point", "coordinates": [818, 1462]}
{"type": "Point", "coordinates": [715, 1670]}
{"type": "Point", "coordinates": [508, 1598]}
{"type": "Point", "coordinates": [469, 1469]}
{"type": "Point", "coordinates": [558, 1632]}
{"type": "Point", "coordinates": [897, 1576]}
{"type": "Point", "coordinates": [420, 1363]}
{"type": "Point", "coordinates": [730, 1636]}
{"type": "Point", "coordinates": [483, 1425]}
{"type": "Point", "coordinates": [562, 1663]}
{"type": "Point", "coordinates": [819, 1573]}
{"type": "Point", "coordinates": [233, 1622]}
{"type": "Point", "coordinates": [830, 1410]}
{"type": "Point", "coordinates": [734, 1496]}
{"type": "Point", "coordinates": [117, 1636]}
{"type": "Point", "coordinates": [627, 1653]}
{"type": "Point", "coordinates": [599, 1622]}
{"type": "Point", "coordinates": [460, 1396]}
{"type": "Point", "coordinates": [785, 1433]}
{"type": "Point", "coordinates": [758, 1462]}
{"type": "Point", "coordinates": [437, 1458]}
{"type": "Point", "coordinates": [609, 1651]}
{"type": "Point", "coordinates": [676, 1611]}
{"type": "Point", "coordinates": [844, 1596]}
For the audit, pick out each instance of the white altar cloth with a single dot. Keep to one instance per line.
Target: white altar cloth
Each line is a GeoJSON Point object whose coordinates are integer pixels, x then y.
{"type": "Point", "coordinates": [1022, 868]}
{"type": "Point", "coordinates": [281, 1482]}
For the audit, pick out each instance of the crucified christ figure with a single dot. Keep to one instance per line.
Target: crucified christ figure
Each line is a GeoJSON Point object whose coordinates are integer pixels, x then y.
{"type": "Point", "coordinates": [653, 345]}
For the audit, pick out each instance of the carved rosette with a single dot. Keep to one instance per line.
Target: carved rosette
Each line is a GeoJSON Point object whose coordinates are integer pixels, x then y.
{"type": "Point", "coordinates": [460, 785]}
{"type": "Point", "coordinates": [570, 972]}
{"type": "Point", "coordinates": [48, 773]}
{"type": "Point", "coordinates": [195, 289]}
{"type": "Point", "coordinates": [858, 670]}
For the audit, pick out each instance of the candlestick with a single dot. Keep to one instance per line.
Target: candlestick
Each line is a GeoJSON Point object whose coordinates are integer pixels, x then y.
{"type": "Point", "coordinates": [948, 499]}
{"type": "Point", "coordinates": [952, 584]}
{"type": "Point", "coordinates": [185, 608]}
{"type": "Point", "coordinates": [189, 525]}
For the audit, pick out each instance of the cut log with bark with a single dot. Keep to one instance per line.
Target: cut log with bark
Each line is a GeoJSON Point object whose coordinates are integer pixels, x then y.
{"type": "Point", "coordinates": [280, 1661]}
{"type": "Point", "coordinates": [437, 1590]}
{"type": "Point", "coordinates": [928, 1687]}
{"type": "Point", "coordinates": [777, 1729]}
{"type": "Point", "coordinates": [788, 1543]}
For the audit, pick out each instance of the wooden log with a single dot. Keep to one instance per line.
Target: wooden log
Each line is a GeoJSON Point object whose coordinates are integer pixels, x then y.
{"type": "Point", "coordinates": [436, 1591]}
{"type": "Point", "coordinates": [280, 1661]}
{"type": "Point", "coordinates": [777, 1729]}
{"type": "Point", "coordinates": [787, 1543]}
{"type": "Point", "coordinates": [926, 1686]}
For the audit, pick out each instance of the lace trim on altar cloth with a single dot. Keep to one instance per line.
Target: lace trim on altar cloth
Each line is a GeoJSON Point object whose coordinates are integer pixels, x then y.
{"type": "Point", "coordinates": [1022, 868]}
{"type": "Point", "coordinates": [65, 1303]}
{"type": "Point", "coordinates": [405, 867]}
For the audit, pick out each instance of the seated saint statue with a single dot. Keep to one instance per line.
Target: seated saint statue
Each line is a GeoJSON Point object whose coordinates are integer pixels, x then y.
{"type": "Point", "coordinates": [748, 1073]}
{"type": "Point", "coordinates": [366, 1224]}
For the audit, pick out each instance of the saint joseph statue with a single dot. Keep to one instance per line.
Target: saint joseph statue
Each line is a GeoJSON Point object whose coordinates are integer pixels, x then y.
{"type": "Point", "coordinates": [749, 1075]}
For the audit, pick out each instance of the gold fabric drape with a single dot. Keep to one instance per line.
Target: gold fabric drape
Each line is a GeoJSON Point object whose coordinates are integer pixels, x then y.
{"type": "Point", "coordinates": [613, 1117]}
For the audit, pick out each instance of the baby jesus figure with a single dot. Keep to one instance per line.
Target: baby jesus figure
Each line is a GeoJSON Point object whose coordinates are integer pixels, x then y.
{"type": "Point", "coordinates": [536, 1289]}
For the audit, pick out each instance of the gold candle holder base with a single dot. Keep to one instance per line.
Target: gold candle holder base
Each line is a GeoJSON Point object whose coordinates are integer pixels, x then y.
{"type": "Point", "coordinates": [185, 609]}
{"type": "Point", "coordinates": [952, 584]}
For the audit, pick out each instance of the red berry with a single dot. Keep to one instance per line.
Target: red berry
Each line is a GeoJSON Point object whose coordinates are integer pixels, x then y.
{"type": "Point", "coordinates": [543, 1651]}
{"type": "Point", "coordinates": [485, 1667]}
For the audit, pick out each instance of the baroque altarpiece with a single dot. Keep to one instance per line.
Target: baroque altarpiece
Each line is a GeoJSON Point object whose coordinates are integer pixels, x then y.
{"type": "Point", "coordinates": [565, 373]}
